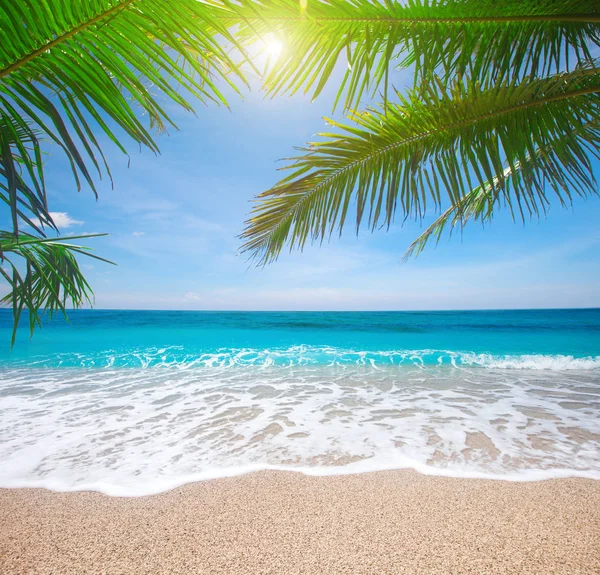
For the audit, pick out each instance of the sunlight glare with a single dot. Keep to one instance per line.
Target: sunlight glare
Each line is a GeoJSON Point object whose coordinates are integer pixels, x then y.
{"type": "Point", "coordinates": [273, 46]}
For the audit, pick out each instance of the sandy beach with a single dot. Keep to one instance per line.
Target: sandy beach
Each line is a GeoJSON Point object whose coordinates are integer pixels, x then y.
{"type": "Point", "coordinates": [279, 522]}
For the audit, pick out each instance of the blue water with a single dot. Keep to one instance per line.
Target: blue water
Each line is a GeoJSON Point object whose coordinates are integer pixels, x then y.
{"type": "Point", "coordinates": [147, 338]}
{"type": "Point", "coordinates": [136, 402]}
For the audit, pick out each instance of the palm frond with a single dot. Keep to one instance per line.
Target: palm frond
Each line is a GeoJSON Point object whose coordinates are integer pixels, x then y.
{"type": "Point", "coordinates": [43, 275]}
{"type": "Point", "coordinates": [485, 38]}
{"type": "Point", "coordinates": [481, 203]}
{"type": "Point", "coordinates": [71, 68]}
{"type": "Point", "coordinates": [433, 147]}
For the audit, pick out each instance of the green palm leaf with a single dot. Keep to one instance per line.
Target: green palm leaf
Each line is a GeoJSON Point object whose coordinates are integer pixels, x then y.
{"type": "Point", "coordinates": [43, 274]}
{"type": "Point", "coordinates": [481, 203]}
{"type": "Point", "coordinates": [69, 67]}
{"type": "Point", "coordinates": [435, 146]}
{"type": "Point", "coordinates": [478, 204]}
{"type": "Point", "coordinates": [489, 40]}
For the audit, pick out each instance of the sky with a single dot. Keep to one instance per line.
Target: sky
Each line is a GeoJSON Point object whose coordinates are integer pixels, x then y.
{"type": "Point", "coordinates": [173, 222]}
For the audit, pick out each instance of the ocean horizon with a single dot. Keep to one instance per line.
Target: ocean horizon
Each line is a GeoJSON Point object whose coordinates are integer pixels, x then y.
{"type": "Point", "coordinates": [137, 402]}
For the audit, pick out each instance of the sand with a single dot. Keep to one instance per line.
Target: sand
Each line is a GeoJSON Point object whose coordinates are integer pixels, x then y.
{"type": "Point", "coordinates": [277, 522]}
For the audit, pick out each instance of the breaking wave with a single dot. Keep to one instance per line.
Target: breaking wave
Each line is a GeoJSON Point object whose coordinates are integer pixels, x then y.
{"type": "Point", "coordinates": [302, 355]}
{"type": "Point", "coordinates": [136, 431]}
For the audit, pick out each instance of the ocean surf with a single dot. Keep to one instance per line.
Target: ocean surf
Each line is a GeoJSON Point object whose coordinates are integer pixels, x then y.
{"type": "Point", "coordinates": [133, 403]}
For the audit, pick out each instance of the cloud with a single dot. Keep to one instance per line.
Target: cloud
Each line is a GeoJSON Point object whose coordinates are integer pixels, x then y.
{"type": "Point", "coordinates": [64, 220]}
{"type": "Point", "coordinates": [137, 234]}
{"type": "Point", "coordinates": [192, 296]}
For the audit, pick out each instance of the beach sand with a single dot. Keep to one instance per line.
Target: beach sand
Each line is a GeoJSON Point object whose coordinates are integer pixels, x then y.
{"type": "Point", "coordinates": [280, 522]}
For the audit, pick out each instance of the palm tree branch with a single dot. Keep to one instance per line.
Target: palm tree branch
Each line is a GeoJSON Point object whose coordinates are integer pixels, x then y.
{"type": "Point", "coordinates": [63, 37]}
{"type": "Point", "coordinates": [416, 137]}
{"type": "Point", "coordinates": [509, 39]}
{"type": "Point", "coordinates": [477, 204]}
{"type": "Point", "coordinates": [408, 154]}
{"type": "Point", "coordinates": [52, 275]}
{"type": "Point", "coordinates": [100, 58]}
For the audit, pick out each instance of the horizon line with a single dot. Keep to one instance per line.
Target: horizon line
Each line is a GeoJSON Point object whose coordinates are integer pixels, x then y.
{"type": "Point", "coordinates": [327, 310]}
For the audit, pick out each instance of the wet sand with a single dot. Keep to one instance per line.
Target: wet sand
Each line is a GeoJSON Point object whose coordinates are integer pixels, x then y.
{"type": "Point", "coordinates": [396, 522]}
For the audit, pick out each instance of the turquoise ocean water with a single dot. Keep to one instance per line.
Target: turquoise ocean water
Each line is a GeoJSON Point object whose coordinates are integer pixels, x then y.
{"type": "Point", "coordinates": [133, 402]}
{"type": "Point", "coordinates": [102, 338]}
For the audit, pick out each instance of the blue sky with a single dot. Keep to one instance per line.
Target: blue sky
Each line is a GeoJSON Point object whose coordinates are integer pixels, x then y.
{"type": "Point", "coordinates": [173, 221]}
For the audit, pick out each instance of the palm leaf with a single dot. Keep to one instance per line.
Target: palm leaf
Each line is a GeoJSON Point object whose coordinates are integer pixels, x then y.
{"type": "Point", "coordinates": [43, 274]}
{"type": "Point", "coordinates": [487, 39]}
{"type": "Point", "coordinates": [478, 204]}
{"type": "Point", "coordinates": [481, 203]}
{"type": "Point", "coordinates": [69, 67]}
{"type": "Point", "coordinates": [434, 147]}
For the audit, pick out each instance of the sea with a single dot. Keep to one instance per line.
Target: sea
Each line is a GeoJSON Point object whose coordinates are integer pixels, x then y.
{"type": "Point", "coordinates": [133, 403]}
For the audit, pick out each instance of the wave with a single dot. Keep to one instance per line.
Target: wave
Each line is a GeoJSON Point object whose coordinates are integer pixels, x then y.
{"type": "Point", "coordinates": [531, 361]}
{"type": "Point", "coordinates": [127, 431]}
{"type": "Point", "coordinates": [304, 355]}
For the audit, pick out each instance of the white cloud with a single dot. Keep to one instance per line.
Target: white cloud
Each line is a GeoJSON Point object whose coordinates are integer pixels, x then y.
{"type": "Point", "coordinates": [137, 234]}
{"type": "Point", "coordinates": [192, 296]}
{"type": "Point", "coordinates": [64, 220]}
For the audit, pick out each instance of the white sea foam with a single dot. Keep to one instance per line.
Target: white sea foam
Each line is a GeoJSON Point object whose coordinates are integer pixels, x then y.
{"type": "Point", "coordinates": [538, 362]}
{"type": "Point", "coordinates": [128, 431]}
{"type": "Point", "coordinates": [178, 357]}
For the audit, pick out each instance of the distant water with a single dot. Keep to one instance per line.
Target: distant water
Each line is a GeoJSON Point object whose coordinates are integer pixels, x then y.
{"type": "Point", "coordinates": [135, 402]}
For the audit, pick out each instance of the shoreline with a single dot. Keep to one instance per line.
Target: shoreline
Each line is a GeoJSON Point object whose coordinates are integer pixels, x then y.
{"type": "Point", "coordinates": [334, 470]}
{"type": "Point", "coordinates": [287, 522]}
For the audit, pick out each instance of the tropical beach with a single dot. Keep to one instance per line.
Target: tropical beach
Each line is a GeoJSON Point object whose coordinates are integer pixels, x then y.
{"type": "Point", "coordinates": [300, 286]}
{"type": "Point", "coordinates": [229, 447]}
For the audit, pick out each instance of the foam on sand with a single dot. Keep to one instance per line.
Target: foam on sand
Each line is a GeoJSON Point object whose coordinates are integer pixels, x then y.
{"type": "Point", "coordinates": [136, 431]}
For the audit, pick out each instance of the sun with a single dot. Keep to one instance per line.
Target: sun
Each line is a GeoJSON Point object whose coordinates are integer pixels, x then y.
{"type": "Point", "coordinates": [273, 46]}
